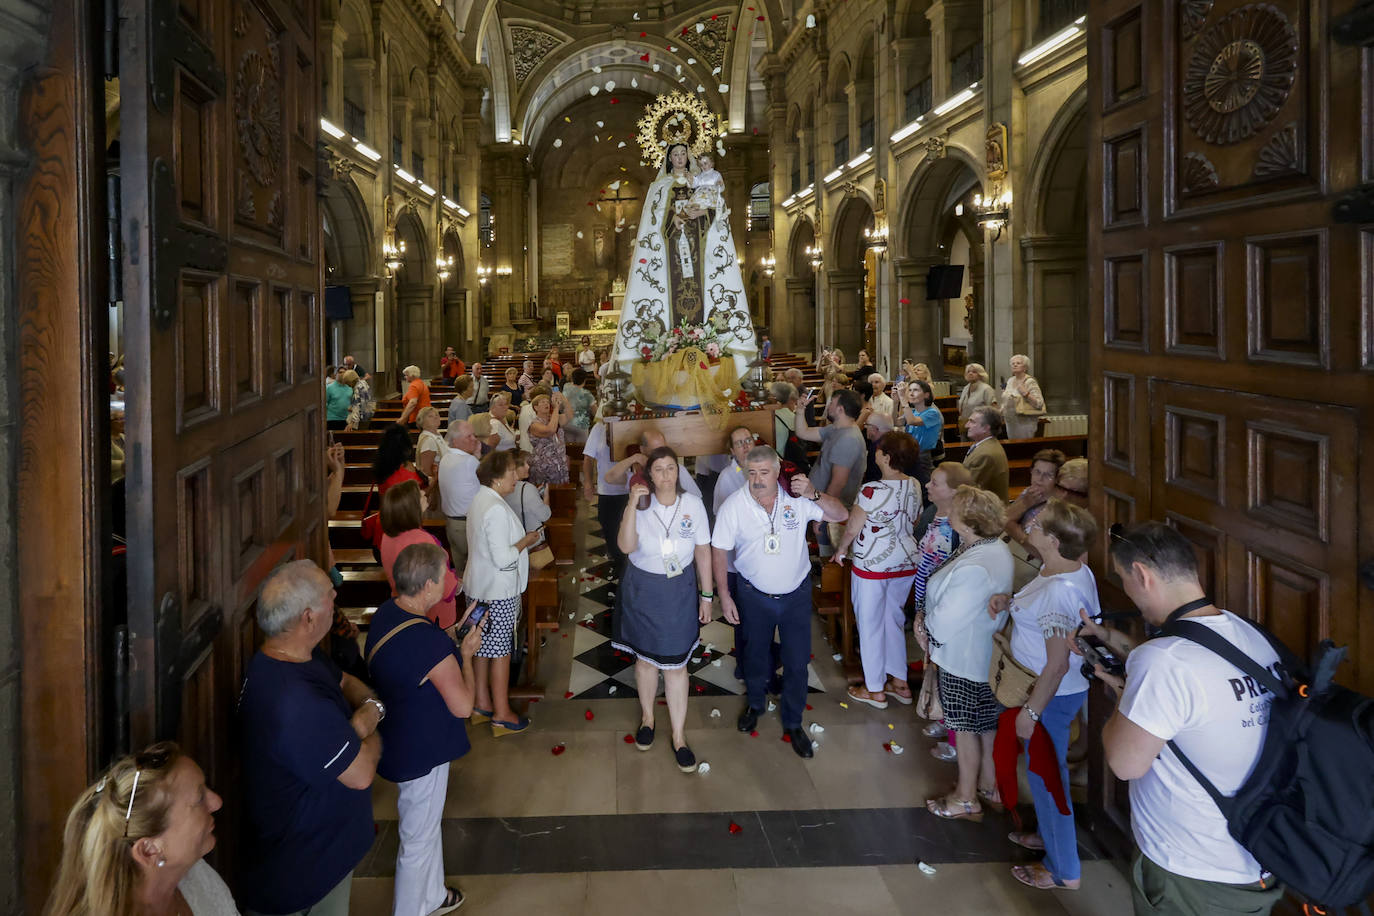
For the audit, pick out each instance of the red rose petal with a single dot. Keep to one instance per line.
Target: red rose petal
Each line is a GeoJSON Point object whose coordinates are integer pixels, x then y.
{"type": "Point", "coordinates": [629, 739]}
{"type": "Point", "coordinates": [700, 689]}
{"type": "Point", "coordinates": [754, 733]}
{"type": "Point", "coordinates": [643, 261]}
{"type": "Point", "coordinates": [787, 738]}
{"type": "Point", "coordinates": [588, 715]}
{"type": "Point", "coordinates": [615, 101]}
{"type": "Point", "coordinates": [558, 749]}
{"type": "Point", "coordinates": [904, 301]}
{"type": "Point", "coordinates": [644, 57]}
{"type": "Point", "coordinates": [703, 365]}
{"type": "Point", "coordinates": [887, 746]}
{"type": "Point", "coordinates": [808, 707]}
{"type": "Point", "coordinates": [735, 828]}
{"type": "Point", "coordinates": [567, 694]}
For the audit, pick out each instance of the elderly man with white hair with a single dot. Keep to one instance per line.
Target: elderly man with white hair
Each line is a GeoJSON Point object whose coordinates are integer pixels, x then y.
{"type": "Point", "coordinates": [457, 486]}
{"type": "Point", "coordinates": [416, 396]}
{"type": "Point", "coordinates": [311, 752]}
{"type": "Point", "coordinates": [880, 402]}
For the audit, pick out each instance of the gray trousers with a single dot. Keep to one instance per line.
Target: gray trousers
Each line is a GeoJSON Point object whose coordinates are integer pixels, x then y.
{"type": "Point", "coordinates": [458, 543]}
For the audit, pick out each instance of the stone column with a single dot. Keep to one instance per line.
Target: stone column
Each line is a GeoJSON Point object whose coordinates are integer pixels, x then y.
{"type": "Point", "coordinates": [800, 308]}
{"type": "Point", "coordinates": [807, 155]}
{"type": "Point", "coordinates": [1056, 273]}
{"type": "Point", "coordinates": [939, 51]}
{"type": "Point", "coordinates": [852, 93]}
{"type": "Point", "coordinates": [844, 312]}
{"type": "Point", "coordinates": [468, 167]}
{"type": "Point", "coordinates": [508, 183]}
{"type": "Point", "coordinates": [331, 42]}
{"type": "Point", "coordinates": [836, 113]}
{"type": "Point", "coordinates": [363, 71]}
{"type": "Point", "coordinates": [920, 324]}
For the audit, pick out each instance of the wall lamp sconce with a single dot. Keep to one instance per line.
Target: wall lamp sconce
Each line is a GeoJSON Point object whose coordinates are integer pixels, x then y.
{"type": "Point", "coordinates": [483, 274]}
{"type": "Point", "coordinates": [814, 253]}
{"type": "Point", "coordinates": [445, 266]}
{"type": "Point", "coordinates": [503, 271]}
{"type": "Point", "coordinates": [392, 254]}
{"type": "Point", "coordinates": [876, 239]}
{"type": "Point", "coordinates": [992, 212]}
{"type": "Point", "coordinates": [769, 264]}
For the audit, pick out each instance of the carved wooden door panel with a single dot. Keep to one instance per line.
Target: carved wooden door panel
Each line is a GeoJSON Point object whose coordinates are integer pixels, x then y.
{"type": "Point", "coordinates": [1232, 355]}
{"type": "Point", "coordinates": [224, 343]}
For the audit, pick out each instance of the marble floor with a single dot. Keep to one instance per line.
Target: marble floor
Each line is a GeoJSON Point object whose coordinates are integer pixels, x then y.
{"type": "Point", "coordinates": [569, 818]}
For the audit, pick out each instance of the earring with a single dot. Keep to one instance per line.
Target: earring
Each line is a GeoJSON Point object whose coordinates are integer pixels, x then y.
{"type": "Point", "coordinates": [161, 862]}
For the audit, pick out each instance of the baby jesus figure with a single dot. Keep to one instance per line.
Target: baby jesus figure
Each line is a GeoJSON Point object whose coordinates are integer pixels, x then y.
{"type": "Point", "coordinates": [708, 187]}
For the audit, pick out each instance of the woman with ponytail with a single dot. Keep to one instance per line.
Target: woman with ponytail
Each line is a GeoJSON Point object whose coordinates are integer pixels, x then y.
{"type": "Point", "coordinates": [135, 843]}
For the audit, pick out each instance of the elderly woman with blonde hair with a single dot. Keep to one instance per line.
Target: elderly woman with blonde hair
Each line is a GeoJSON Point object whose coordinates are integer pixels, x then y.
{"type": "Point", "coordinates": [136, 841]}
{"type": "Point", "coordinates": [1022, 403]}
{"type": "Point", "coordinates": [977, 392]}
{"type": "Point", "coordinates": [956, 634]}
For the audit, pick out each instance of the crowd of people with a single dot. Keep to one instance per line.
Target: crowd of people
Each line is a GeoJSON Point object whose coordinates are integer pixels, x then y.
{"type": "Point", "coordinates": [995, 592]}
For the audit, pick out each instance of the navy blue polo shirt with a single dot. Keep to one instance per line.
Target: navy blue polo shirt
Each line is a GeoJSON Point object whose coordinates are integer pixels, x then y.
{"type": "Point", "coordinates": [306, 830]}
{"type": "Point", "coordinates": [419, 732]}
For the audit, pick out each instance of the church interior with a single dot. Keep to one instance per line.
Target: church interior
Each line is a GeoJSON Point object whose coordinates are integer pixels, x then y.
{"type": "Point", "coordinates": [207, 206]}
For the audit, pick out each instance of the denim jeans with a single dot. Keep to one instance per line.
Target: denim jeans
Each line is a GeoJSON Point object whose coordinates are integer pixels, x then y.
{"type": "Point", "coordinates": [1058, 830]}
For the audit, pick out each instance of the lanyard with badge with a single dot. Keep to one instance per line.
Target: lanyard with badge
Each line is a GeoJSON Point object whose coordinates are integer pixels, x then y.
{"type": "Point", "coordinates": [772, 545]}
{"type": "Point", "coordinates": [672, 566]}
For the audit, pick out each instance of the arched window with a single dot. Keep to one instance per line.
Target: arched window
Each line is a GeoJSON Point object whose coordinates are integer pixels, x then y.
{"type": "Point", "coordinates": [760, 207]}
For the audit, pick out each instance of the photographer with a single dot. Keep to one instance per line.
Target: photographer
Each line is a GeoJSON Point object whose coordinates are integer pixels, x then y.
{"type": "Point", "coordinates": [1176, 690]}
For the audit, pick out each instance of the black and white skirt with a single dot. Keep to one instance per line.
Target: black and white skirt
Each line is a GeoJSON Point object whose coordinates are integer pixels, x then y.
{"type": "Point", "coordinates": [656, 617]}
{"type": "Point", "coordinates": [969, 706]}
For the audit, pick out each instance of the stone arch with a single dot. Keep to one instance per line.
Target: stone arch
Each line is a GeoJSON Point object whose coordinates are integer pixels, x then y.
{"type": "Point", "coordinates": [417, 266]}
{"type": "Point", "coordinates": [1054, 253]}
{"type": "Point", "coordinates": [795, 324]}
{"type": "Point", "coordinates": [349, 246]}
{"type": "Point", "coordinates": [846, 270]}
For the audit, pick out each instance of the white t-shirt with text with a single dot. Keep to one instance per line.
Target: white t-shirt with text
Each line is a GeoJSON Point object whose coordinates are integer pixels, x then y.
{"type": "Point", "coordinates": [1180, 691]}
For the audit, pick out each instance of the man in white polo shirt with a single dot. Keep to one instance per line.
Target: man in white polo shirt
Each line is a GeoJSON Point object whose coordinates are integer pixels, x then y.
{"type": "Point", "coordinates": [732, 479]}
{"type": "Point", "coordinates": [1176, 690]}
{"type": "Point", "coordinates": [457, 486]}
{"type": "Point", "coordinates": [611, 495]}
{"type": "Point", "coordinates": [766, 529]}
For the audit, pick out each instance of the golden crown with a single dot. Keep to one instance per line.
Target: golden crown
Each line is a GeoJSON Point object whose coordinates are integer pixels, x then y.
{"type": "Point", "coordinates": [677, 118]}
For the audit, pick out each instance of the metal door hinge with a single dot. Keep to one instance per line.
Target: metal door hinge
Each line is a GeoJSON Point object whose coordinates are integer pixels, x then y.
{"type": "Point", "coordinates": [174, 245]}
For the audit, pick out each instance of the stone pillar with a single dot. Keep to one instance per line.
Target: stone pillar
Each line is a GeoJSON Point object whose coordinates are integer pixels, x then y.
{"type": "Point", "coordinates": [1056, 273]}
{"type": "Point", "coordinates": [920, 324]}
{"type": "Point", "coordinates": [799, 306]}
{"type": "Point", "coordinates": [468, 168]}
{"type": "Point", "coordinates": [508, 180]}
{"type": "Point", "coordinates": [837, 113]}
{"type": "Point", "coordinates": [363, 72]}
{"type": "Point", "coordinates": [844, 313]}
{"type": "Point", "coordinates": [331, 42]}
{"type": "Point", "coordinates": [939, 51]}
{"type": "Point", "coordinates": [852, 93]}
{"type": "Point", "coordinates": [806, 154]}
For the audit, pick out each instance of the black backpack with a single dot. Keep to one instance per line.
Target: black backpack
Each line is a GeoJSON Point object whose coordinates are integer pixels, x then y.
{"type": "Point", "coordinates": [792, 450]}
{"type": "Point", "coordinates": [1306, 812]}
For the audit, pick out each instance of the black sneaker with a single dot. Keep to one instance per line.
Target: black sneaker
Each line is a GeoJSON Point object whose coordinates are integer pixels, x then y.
{"type": "Point", "coordinates": [686, 760]}
{"type": "Point", "coordinates": [644, 738]}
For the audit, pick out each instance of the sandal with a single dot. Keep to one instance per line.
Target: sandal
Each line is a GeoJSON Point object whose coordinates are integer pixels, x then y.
{"type": "Point", "coordinates": [479, 716]}
{"type": "Point", "coordinates": [1028, 840]}
{"type": "Point", "coordinates": [993, 799]}
{"type": "Point", "coordinates": [906, 699]}
{"type": "Point", "coordinates": [452, 900]}
{"type": "Point", "coordinates": [863, 695]}
{"type": "Point", "coordinates": [1040, 878]}
{"type": "Point", "coordinates": [955, 809]}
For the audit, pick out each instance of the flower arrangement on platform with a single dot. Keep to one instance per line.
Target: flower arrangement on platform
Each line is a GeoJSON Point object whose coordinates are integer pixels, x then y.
{"type": "Point", "coordinates": [705, 337]}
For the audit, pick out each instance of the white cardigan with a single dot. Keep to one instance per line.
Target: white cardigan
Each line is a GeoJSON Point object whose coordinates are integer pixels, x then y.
{"type": "Point", "coordinates": [957, 609]}
{"type": "Point", "coordinates": [495, 568]}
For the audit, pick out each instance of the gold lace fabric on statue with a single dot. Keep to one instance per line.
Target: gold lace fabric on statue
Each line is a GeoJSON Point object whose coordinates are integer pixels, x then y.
{"type": "Point", "coordinates": [687, 376]}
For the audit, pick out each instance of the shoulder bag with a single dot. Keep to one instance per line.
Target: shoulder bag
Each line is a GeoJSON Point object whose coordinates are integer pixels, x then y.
{"type": "Point", "coordinates": [413, 621]}
{"type": "Point", "coordinates": [1011, 681]}
{"type": "Point", "coordinates": [542, 555]}
{"type": "Point", "coordinates": [372, 524]}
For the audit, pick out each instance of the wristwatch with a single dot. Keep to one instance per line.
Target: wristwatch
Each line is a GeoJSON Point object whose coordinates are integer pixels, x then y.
{"type": "Point", "coordinates": [381, 707]}
{"type": "Point", "coordinates": [1034, 716]}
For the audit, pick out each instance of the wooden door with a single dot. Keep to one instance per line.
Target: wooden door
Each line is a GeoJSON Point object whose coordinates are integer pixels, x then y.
{"type": "Point", "coordinates": [222, 295]}
{"type": "Point", "coordinates": [1231, 355]}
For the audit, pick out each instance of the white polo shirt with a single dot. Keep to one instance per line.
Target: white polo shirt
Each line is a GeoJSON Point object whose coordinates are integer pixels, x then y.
{"type": "Point", "coordinates": [731, 479]}
{"type": "Point", "coordinates": [597, 449]}
{"type": "Point", "coordinates": [743, 526]}
{"type": "Point", "coordinates": [506, 434]}
{"type": "Point", "coordinates": [458, 482]}
{"type": "Point", "coordinates": [684, 522]}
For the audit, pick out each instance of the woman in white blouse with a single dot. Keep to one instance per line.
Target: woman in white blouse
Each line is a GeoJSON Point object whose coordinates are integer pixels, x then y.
{"type": "Point", "coordinates": [1022, 402]}
{"type": "Point", "coordinates": [665, 594]}
{"type": "Point", "coordinates": [956, 632]}
{"type": "Point", "coordinates": [431, 449]}
{"type": "Point", "coordinates": [498, 570]}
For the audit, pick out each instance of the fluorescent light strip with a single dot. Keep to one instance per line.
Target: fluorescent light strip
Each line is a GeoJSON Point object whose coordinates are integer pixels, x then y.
{"type": "Point", "coordinates": [463, 211]}
{"type": "Point", "coordinates": [403, 174]}
{"type": "Point", "coordinates": [833, 175]}
{"type": "Point", "coordinates": [331, 130]}
{"type": "Point", "coordinates": [956, 100]}
{"type": "Point", "coordinates": [450, 204]}
{"type": "Point", "coordinates": [806, 192]}
{"type": "Point", "coordinates": [427, 189]}
{"type": "Point", "coordinates": [366, 150]}
{"type": "Point", "coordinates": [860, 159]}
{"type": "Point", "coordinates": [907, 131]}
{"type": "Point", "coordinates": [1057, 40]}
{"type": "Point", "coordinates": [790, 201]}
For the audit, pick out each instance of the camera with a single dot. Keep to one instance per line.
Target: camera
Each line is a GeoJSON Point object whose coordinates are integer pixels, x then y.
{"type": "Point", "coordinates": [1096, 652]}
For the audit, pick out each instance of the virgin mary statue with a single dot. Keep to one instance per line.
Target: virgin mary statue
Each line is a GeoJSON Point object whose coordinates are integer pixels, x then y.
{"type": "Point", "coordinates": [683, 269]}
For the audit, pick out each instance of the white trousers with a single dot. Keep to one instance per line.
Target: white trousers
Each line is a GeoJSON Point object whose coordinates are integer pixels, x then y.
{"type": "Point", "coordinates": [881, 622]}
{"type": "Point", "coordinates": [420, 861]}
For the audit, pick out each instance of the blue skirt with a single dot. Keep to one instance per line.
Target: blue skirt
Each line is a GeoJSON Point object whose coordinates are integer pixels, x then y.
{"type": "Point", "coordinates": [656, 617]}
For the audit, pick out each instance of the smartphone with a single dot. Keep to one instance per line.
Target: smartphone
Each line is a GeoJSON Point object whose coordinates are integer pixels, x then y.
{"type": "Point", "coordinates": [1096, 652]}
{"type": "Point", "coordinates": [473, 619]}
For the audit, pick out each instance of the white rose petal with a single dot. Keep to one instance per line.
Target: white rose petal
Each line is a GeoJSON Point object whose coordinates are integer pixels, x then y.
{"type": "Point", "coordinates": [701, 27]}
{"type": "Point", "coordinates": [594, 90]}
{"type": "Point", "coordinates": [557, 143]}
{"type": "Point", "coordinates": [772, 706]}
{"type": "Point", "coordinates": [817, 728]}
{"type": "Point", "coordinates": [926, 869]}
{"type": "Point", "coordinates": [703, 768]}
{"type": "Point", "coordinates": [612, 690]}
{"type": "Point", "coordinates": [837, 656]}
{"type": "Point", "coordinates": [610, 85]}
{"type": "Point", "coordinates": [897, 748]}
{"type": "Point", "coordinates": [600, 123]}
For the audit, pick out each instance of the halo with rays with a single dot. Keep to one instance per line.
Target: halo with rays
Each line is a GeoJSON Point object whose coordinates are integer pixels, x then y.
{"type": "Point", "coordinates": [676, 118]}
